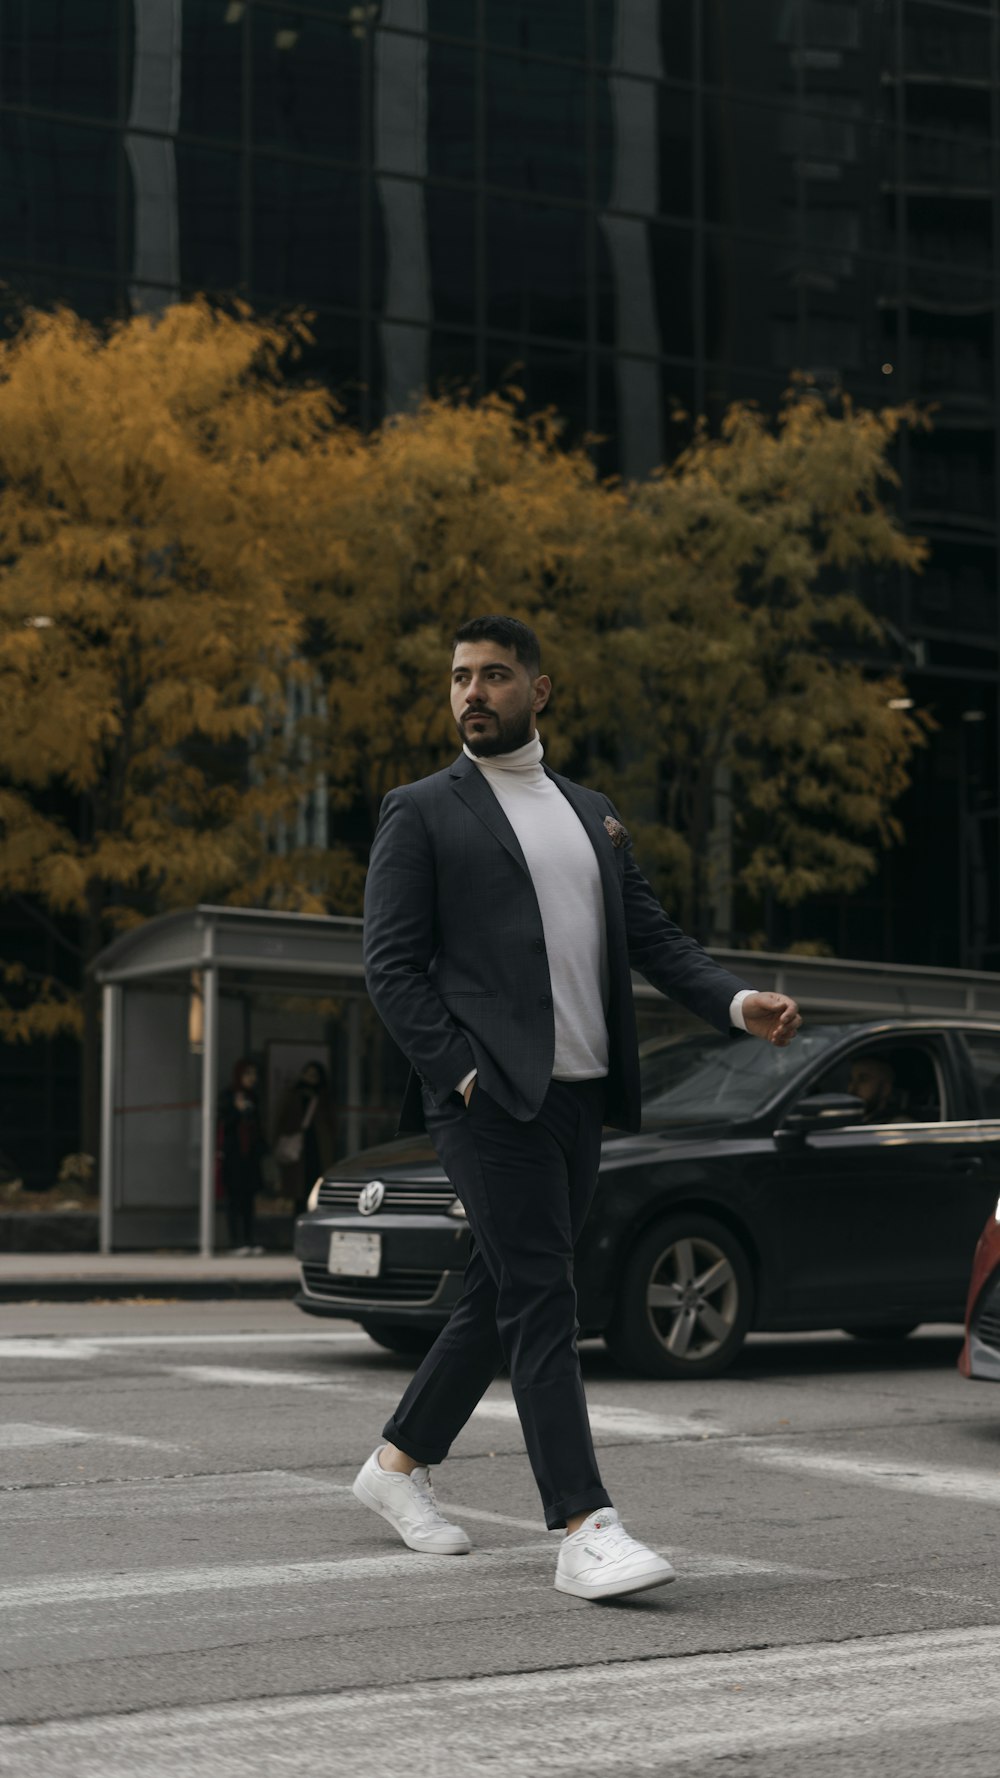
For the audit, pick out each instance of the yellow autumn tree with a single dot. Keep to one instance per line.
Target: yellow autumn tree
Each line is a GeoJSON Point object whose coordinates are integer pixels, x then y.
{"type": "Point", "coordinates": [698, 627]}
{"type": "Point", "coordinates": [147, 641]}
{"type": "Point", "coordinates": [213, 592]}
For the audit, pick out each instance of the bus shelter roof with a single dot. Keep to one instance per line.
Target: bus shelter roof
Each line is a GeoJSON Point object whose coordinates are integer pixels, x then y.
{"type": "Point", "coordinates": [315, 950]}
{"type": "Point", "coordinates": [263, 942]}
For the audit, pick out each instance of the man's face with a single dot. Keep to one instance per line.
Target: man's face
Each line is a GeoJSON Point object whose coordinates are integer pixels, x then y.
{"type": "Point", "coordinates": [872, 1081]}
{"type": "Point", "coordinates": [494, 699]}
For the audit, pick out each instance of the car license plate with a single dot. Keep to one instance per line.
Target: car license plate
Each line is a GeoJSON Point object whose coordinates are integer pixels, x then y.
{"type": "Point", "coordinates": [354, 1256]}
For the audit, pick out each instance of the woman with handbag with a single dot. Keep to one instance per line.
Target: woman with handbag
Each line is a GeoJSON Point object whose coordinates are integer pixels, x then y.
{"type": "Point", "coordinates": [304, 1141]}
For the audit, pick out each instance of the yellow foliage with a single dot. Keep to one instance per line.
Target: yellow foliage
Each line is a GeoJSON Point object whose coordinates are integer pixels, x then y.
{"type": "Point", "coordinates": [146, 631]}
{"type": "Point", "coordinates": [185, 536]}
{"type": "Point", "coordinates": [688, 624]}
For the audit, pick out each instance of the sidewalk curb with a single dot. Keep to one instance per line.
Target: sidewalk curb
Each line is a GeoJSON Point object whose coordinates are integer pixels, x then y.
{"type": "Point", "coordinates": [84, 1290]}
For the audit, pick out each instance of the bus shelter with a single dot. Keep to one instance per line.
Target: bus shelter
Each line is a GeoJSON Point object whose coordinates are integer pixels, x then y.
{"type": "Point", "coordinates": [185, 997]}
{"type": "Point", "coordinates": [188, 995]}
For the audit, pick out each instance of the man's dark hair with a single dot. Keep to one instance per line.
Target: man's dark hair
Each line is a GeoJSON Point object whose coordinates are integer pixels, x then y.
{"type": "Point", "coordinates": [510, 632]}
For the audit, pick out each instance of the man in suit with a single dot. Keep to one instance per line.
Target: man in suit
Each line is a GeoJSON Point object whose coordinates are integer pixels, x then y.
{"type": "Point", "coordinates": [503, 913]}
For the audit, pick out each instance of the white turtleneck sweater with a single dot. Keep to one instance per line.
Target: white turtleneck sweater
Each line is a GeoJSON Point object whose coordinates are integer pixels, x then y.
{"type": "Point", "coordinates": [567, 882]}
{"type": "Point", "coordinates": [566, 877]}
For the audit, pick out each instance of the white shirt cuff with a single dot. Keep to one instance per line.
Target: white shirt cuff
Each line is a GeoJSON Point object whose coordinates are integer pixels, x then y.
{"type": "Point", "coordinates": [463, 1083]}
{"type": "Point", "coordinates": [736, 1008]}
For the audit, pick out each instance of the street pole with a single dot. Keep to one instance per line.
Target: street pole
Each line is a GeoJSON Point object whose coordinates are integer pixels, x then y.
{"type": "Point", "coordinates": [112, 998]}
{"type": "Point", "coordinates": [209, 1094]}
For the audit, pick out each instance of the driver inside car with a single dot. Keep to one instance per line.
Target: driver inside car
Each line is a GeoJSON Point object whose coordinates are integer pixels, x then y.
{"type": "Point", "coordinates": [873, 1079]}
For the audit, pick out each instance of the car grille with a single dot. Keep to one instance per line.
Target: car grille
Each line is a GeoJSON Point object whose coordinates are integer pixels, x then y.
{"type": "Point", "coordinates": [987, 1321]}
{"type": "Point", "coordinates": [396, 1287]}
{"type": "Point", "coordinates": [340, 1195]}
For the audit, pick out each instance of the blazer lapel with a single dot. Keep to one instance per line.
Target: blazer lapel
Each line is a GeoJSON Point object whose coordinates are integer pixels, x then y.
{"type": "Point", "coordinates": [477, 796]}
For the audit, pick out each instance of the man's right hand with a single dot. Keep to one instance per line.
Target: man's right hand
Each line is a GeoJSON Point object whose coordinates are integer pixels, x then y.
{"type": "Point", "coordinates": [470, 1089]}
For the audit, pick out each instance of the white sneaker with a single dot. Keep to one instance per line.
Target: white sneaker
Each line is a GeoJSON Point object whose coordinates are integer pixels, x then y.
{"type": "Point", "coordinates": [408, 1502]}
{"type": "Point", "coordinates": [601, 1560]}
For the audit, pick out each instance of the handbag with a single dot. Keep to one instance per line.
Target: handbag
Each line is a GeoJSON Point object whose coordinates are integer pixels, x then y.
{"type": "Point", "coordinates": [288, 1148]}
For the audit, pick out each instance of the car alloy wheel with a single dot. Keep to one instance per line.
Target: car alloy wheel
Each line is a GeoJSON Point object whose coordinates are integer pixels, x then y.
{"type": "Point", "coordinates": [685, 1300]}
{"type": "Point", "coordinates": [692, 1298]}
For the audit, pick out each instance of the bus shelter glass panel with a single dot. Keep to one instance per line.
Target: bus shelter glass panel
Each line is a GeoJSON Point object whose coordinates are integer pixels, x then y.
{"type": "Point", "coordinates": [158, 1111]}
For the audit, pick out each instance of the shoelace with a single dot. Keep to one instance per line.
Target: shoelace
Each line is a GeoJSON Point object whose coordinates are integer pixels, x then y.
{"type": "Point", "coordinates": [429, 1506]}
{"type": "Point", "coordinates": [614, 1538]}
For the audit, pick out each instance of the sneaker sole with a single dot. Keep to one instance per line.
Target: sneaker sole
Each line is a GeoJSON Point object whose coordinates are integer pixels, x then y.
{"type": "Point", "coordinates": [640, 1583]}
{"type": "Point", "coordinates": [367, 1498]}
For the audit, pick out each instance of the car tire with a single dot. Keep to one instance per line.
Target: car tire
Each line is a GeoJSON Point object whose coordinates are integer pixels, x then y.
{"type": "Point", "coordinates": [399, 1336]}
{"type": "Point", "coordinates": [685, 1333]}
{"type": "Point", "coordinates": [883, 1333]}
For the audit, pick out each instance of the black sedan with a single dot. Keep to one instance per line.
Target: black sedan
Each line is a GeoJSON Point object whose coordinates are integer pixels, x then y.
{"type": "Point", "coordinates": [841, 1182]}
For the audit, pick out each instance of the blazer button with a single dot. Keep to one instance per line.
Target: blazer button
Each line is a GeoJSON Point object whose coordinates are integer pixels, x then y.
{"type": "Point", "coordinates": [538, 946]}
{"type": "Point", "coordinates": [545, 1000]}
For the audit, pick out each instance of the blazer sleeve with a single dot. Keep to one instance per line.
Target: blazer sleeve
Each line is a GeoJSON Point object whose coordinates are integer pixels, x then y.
{"type": "Point", "coordinates": [674, 963]}
{"type": "Point", "coordinates": [399, 943]}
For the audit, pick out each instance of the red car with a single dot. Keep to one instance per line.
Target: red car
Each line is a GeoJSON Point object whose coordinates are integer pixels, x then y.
{"type": "Point", "coordinates": [980, 1358]}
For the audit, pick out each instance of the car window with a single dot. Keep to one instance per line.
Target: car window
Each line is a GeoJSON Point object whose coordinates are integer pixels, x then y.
{"type": "Point", "coordinates": [984, 1050]}
{"type": "Point", "coordinates": [701, 1077]}
{"type": "Point", "coordinates": [900, 1083]}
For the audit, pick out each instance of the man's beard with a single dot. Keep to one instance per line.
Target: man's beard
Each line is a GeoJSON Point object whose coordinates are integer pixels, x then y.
{"type": "Point", "coordinates": [499, 736]}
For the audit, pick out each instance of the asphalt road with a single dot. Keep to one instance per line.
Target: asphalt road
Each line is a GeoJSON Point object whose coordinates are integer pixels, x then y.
{"type": "Point", "coordinates": [188, 1588]}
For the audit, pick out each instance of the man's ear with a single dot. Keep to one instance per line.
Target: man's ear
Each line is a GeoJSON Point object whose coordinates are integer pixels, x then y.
{"type": "Point", "coordinates": [542, 692]}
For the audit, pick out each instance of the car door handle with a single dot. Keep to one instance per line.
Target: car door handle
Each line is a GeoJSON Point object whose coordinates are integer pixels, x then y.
{"type": "Point", "coordinates": [965, 1163]}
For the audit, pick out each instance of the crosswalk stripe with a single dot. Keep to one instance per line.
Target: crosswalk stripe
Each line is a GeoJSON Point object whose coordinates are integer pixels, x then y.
{"type": "Point", "coordinates": [75, 1589]}
{"type": "Point", "coordinates": [167, 1497]}
{"type": "Point", "coordinates": [179, 1496]}
{"type": "Point", "coordinates": [879, 1472]}
{"type": "Point", "coordinates": [23, 1435]}
{"type": "Point", "coordinates": [627, 1717]}
{"type": "Point", "coordinates": [79, 1346]}
{"type": "Point", "coordinates": [627, 1422]}
{"type": "Point", "coordinates": [245, 1377]}
{"type": "Point", "coordinates": [228, 1577]}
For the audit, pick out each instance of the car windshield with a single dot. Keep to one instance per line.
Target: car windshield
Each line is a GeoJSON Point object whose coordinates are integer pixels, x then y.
{"type": "Point", "coordinates": [706, 1077]}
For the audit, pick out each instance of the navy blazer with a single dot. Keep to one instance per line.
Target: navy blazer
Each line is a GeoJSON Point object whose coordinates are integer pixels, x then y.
{"type": "Point", "coordinates": [455, 954]}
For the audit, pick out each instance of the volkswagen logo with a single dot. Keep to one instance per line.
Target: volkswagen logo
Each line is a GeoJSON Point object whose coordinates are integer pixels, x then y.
{"type": "Point", "coordinates": [370, 1197]}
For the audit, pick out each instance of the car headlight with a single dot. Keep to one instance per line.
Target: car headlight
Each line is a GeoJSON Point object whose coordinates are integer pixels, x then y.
{"type": "Point", "coordinates": [312, 1200]}
{"type": "Point", "coordinates": [457, 1209]}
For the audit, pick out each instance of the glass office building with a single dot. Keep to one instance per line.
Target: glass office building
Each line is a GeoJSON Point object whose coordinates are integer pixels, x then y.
{"type": "Point", "coordinates": [636, 203]}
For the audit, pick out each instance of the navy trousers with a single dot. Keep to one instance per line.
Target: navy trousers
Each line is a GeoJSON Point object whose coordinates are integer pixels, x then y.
{"type": "Point", "coordinates": [526, 1188]}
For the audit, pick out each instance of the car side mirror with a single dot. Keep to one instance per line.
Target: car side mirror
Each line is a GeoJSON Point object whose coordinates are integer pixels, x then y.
{"type": "Point", "coordinates": [819, 1112]}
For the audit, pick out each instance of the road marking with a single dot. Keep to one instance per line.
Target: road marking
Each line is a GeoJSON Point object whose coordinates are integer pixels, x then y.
{"type": "Point", "coordinates": [904, 1478]}
{"type": "Point", "coordinates": [488, 1518]}
{"type": "Point", "coordinates": [25, 1436]}
{"type": "Point", "coordinates": [634, 1423]}
{"type": "Point", "coordinates": [92, 1345]}
{"type": "Point", "coordinates": [25, 1347]}
{"type": "Point", "coordinates": [161, 1583]}
{"type": "Point", "coordinates": [241, 1377]}
{"type": "Point", "coordinates": [627, 1718]}
{"type": "Point", "coordinates": [156, 1583]}
{"type": "Point", "coordinates": [179, 1496]}
{"type": "Point", "coordinates": [167, 1497]}
{"type": "Point", "coordinates": [622, 1422]}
